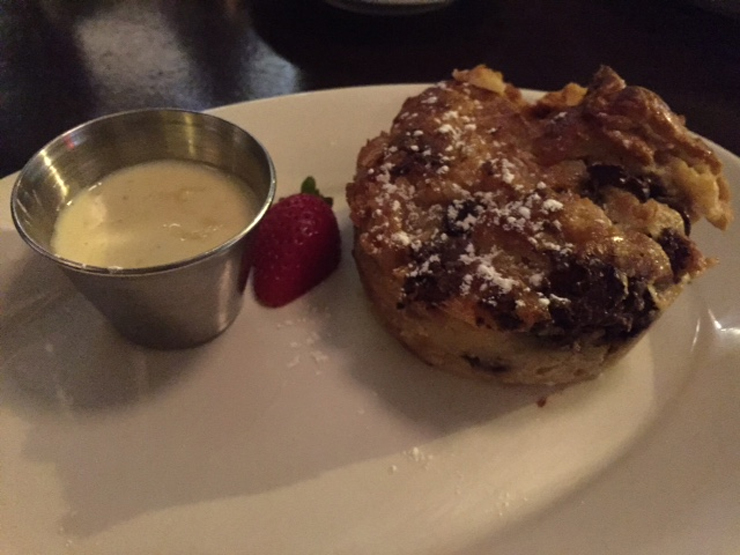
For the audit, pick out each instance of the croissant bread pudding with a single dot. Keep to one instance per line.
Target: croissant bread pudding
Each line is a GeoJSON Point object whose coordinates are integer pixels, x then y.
{"type": "Point", "coordinates": [530, 242]}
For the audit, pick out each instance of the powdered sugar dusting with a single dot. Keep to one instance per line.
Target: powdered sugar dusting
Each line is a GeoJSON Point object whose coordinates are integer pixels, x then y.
{"type": "Point", "coordinates": [452, 197]}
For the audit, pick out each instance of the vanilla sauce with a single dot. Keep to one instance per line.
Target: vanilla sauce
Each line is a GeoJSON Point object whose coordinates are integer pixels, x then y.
{"type": "Point", "coordinates": [152, 214]}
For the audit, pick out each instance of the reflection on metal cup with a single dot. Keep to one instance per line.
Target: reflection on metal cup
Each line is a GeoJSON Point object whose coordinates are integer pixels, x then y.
{"type": "Point", "coordinates": [175, 305]}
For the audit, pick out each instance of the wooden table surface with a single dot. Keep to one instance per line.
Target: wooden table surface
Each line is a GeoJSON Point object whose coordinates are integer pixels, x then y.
{"type": "Point", "coordinates": [64, 62]}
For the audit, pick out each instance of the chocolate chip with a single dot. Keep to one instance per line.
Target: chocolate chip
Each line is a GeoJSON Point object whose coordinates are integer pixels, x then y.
{"type": "Point", "coordinates": [643, 187]}
{"type": "Point", "coordinates": [678, 249]}
{"type": "Point", "coordinates": [477, 364]}
{"type": "Point", "coordinates": [591, 297]}
{"type": "Point", "coordinates": [438, 273]}
{"type": "Point", "coordinates": [415, 162]}
{"type": "Point", "coordinates": [502, 308]}
{"type": "Point", "coordinates": [455, 218]}
{"type": "Point", "coordinates": [602, 175]}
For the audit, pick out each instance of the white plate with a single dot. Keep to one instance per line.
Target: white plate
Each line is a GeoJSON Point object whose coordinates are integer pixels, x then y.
{"type": "Point", "coordinates": [307, 430]}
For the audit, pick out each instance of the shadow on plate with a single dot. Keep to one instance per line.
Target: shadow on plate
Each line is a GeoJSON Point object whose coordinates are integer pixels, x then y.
{"type": "Point", "coordinates": [142, 438]}
{"type": "Point", "coordinates": [432, 399]}
{"type": "Point", "coordinates": [151, 431]}
{"type": "Point", "coordinates": [158, 431]}
{"type": "Point", "coordinates": [58, 354]}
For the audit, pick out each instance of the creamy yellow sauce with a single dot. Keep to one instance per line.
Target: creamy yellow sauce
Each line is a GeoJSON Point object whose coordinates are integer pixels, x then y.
{"type": "Point", "coordinates": [151, 214]}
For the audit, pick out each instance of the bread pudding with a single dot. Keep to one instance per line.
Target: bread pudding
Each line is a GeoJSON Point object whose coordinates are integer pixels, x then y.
{"type": "Point", "coordinates": [530, 242]}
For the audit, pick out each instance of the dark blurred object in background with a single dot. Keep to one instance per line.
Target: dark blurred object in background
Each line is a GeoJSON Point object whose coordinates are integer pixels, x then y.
{"type": "Point", "coordinates": [63, 62]}
{"type": "Point", "coordinates": [390, 7]}
{"type": "Point", "coordinates": [726, 7]}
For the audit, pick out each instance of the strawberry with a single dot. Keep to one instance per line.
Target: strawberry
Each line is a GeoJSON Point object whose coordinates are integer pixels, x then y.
{"type": "Point", "coordinates": [297, 246]}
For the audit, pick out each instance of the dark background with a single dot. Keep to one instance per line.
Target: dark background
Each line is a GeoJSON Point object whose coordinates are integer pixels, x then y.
{"type": "Point", "coordinates": [66, 61]}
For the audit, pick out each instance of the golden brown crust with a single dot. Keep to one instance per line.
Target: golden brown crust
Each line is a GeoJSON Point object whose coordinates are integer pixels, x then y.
{"type": "Point", "coordinates": [632, 127]}
{"type": "Point", "coordinates": [485, 224]}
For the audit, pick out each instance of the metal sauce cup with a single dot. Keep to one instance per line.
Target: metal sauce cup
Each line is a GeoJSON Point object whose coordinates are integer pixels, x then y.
{"type": "Point", "coordinates": [177, 305]}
